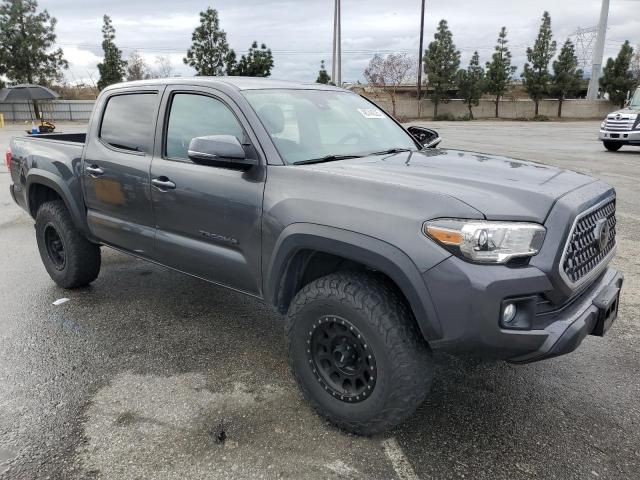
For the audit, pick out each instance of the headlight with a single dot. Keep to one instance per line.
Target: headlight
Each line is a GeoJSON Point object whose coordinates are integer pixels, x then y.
{"type": "Point", "coordinates": [603, 125]}
{"type": "Point", "coordinates": [487, 242]}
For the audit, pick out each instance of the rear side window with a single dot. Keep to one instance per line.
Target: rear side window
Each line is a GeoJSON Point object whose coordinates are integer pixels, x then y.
{"type": "Point", "coordinates": [194, 115]}
{"type": "Point", "coordinates": [128, 121]}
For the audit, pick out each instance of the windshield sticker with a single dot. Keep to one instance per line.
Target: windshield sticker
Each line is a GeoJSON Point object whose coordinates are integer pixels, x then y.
{"type": "Point", "coordinates": [371, 113]}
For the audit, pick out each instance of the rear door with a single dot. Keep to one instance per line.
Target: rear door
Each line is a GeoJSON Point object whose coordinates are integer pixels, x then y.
{"type": "Point", "coordinates": [116, 169]}
{"type": "Point", "coordinates": [208, 217]}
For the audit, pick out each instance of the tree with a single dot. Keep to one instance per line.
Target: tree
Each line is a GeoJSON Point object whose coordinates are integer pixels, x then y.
{"type": "Point", "coordinates": [137, 68]}
{"type": "Point", "coordinates": [113, 68]}
{"type": "Point", "coordinates": [388, 73]}
{"type": "Point", "coordinates": [256, 63]}
{"type": "Point", "coordinates": [209, 49]}
{"type": "Point", "coordinates": [617, 79]}
{"type": "Point", "coordinates": [165, 68]}
{"type": "Point", "coordinates": [567, 77]}
{"type": "Point", "coordinates": [635, 66]}
{"type": "Point", "coordinates": [499, 70]}
{"type": "Point", "coordinates": [536, 76]}
{"type": "Point", "coordinates": [441, 63]}
{"type": "Point", "coordinates": [471, 83]}
{"type": "Point", "coordinates": [323, 76]}
{"type": "Point", "coordinates": [26, 44]}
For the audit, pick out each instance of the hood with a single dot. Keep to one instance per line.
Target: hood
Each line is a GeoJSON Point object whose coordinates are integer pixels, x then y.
{"type": "Point", "coordinates": [500, 188]}
{"type": "Point", "coordinates": [631, 111]}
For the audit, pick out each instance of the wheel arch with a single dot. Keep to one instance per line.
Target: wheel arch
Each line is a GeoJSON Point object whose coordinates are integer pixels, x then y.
{"type": "Point", "coordinates": [342, 249]}
{"type": "Point", "coordinates": [42, 186]}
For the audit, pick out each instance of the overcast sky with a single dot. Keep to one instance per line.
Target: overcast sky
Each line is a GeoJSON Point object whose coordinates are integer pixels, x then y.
{"type": "Point", "coordinates": [300, 32]}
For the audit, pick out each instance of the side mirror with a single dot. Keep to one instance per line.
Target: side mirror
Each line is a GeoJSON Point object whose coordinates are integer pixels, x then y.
{"type": "Point", "coordinates": [219, 150]}
{"type": "Point", "coordinates": [425, 136]}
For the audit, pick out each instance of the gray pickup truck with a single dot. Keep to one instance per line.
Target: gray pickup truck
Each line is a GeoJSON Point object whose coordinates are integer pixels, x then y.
{"type": "Point", "coordinates": [376, 247]}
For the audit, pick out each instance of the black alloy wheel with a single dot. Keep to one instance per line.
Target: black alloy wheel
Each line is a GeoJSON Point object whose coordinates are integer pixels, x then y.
{"type": "Point", "coordinates": [341, 359]}
{"type": "Point", "coordinates": [55, 247]}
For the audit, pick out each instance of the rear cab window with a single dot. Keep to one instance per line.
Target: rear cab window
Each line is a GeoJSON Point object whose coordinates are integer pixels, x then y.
{"type": "Point", "coordinates": [128, 121]}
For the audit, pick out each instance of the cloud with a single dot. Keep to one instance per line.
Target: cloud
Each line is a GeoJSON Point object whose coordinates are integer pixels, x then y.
{"type": "Point", "coordinates": [300, 32]}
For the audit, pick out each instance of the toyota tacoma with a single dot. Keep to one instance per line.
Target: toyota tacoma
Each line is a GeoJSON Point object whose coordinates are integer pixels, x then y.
{"type": "Point", "coordinates": [378, 248]}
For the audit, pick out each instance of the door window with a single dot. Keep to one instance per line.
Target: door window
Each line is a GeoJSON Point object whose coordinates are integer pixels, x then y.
{"type": "Point", "coordinates": [128, 121]}
{"type": "Point", "coordinates": [194, 115]}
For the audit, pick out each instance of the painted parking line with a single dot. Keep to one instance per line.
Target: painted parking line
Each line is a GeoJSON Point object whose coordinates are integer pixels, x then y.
{"type": "Point", "coordinates": [400, 463]}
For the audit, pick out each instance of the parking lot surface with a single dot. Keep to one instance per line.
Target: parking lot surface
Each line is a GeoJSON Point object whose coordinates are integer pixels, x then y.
{"type": "Point", "coordinates": [152, 374]}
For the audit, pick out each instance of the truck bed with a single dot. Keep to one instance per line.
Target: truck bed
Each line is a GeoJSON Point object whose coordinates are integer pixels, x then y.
{"type": "Point", "coordinates": [61, 137]}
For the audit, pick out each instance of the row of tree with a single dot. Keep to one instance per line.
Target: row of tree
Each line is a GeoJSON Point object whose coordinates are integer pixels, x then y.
{"type": "Point", "coordinates": [209, 55]}
{"type": "Point", "coordinates": [28, 53]}
{"type": "Point", "coordinates": [542, 78]}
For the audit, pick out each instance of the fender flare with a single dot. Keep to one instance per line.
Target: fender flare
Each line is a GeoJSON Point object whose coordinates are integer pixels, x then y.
{"type": "Point", "coordinates": [37, 176]}
{"type": "Point", "coordinates": [372, 252]}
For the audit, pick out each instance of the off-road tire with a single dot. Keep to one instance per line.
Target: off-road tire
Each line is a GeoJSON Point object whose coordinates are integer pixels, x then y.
{"type": "Point", "coordinates": [81, 264]}
{"type": "Point", "coordinates": [402, 356]}
{"type": "Point", "coordinates": [612, 146]}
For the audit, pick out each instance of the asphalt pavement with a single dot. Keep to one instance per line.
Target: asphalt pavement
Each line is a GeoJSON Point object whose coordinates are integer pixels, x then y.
{"type": "Point", "coordinates": [151, 374]}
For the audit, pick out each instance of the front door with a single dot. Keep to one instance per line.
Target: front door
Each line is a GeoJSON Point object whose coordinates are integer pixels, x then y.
{"type": "Point", "coordinates": [208, 217]}
{"type": "Point", "coordinates": [116, 168]}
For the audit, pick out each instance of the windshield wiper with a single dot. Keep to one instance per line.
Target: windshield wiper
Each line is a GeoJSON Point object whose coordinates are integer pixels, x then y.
{"type": "Point", "coordinates": [391, 151]}
{"type": "Point", "coordinates": [326, 158]}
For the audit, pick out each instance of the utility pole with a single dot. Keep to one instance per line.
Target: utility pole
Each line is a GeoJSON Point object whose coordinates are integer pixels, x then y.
{"type": "Point", "coordinates": [339, 44]}
{"type": "Point", "coordinates": [336, 67]}
{"type": "Point", "coordinates": [598, 52]}
{"type": "Point", "coordinates": [420, 56]}
{"type": "Point", "coordinates": [335, 41]}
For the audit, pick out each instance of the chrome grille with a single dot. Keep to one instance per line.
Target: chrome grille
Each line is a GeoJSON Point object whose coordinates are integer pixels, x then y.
{"type": "Point", "coordinates": [583, 253]}
{"type": "Point", "coordinates": [624, 123]}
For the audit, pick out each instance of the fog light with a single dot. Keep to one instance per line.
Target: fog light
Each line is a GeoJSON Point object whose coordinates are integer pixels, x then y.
{"type": "Point", "coordinates": [509, 313]}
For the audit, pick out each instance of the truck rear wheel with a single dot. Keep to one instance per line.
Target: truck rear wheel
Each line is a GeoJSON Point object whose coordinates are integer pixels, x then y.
{"type": "Point", "coordinates": [356, 352]}
{"type": "Point", "coordinates": [612, 146]}
{"type": "Point", "coordinates": [71, 260]}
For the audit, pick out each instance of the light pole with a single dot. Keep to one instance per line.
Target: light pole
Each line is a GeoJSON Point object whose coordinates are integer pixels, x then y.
{"type": "Point", "coordinates": [336, 65]}
{"type": "Point", "coordinates": [339, 44]}
{"type": "Point", "coordinates": [420, 56]}
{"type": "Point", "coordinates": [598, 52]}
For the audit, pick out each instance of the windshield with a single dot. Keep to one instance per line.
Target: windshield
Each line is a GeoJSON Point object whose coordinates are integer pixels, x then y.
{"type": "Point", "coordinates": [635, 100]}
{"type": "Point", "coordinates": [315, 124]}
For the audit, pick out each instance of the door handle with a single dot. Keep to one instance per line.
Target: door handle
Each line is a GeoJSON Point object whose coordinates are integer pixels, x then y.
{"type": "Point", "coordinates": [94, 170]}
{"type": "Point", "coordinates": [163, 183]}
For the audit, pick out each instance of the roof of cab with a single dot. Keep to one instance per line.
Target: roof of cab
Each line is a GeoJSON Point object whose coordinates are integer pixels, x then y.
{"type": "Point", "coordinates": [238, 83]}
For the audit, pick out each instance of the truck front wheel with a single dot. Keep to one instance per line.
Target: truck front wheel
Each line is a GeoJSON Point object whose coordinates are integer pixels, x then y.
{"type": "Point", "coordinates": [356, 352]}
{"type": "Point", "coordinates": [71, 260]}
{"type": "Point", "coordinates": [612, 146]}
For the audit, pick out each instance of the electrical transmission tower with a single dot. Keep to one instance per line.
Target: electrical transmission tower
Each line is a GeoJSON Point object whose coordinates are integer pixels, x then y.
{"type": "Point", "coordinates": [584, 40]}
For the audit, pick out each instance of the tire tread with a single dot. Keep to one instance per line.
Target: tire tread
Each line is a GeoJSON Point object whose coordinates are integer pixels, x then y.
{"type": "Point", "coordinates": [83, 257]}
{"type": "Point", "coordinates": [391, 317]}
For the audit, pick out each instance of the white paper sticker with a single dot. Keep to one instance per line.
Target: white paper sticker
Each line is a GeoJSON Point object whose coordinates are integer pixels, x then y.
{"type": "Point", "coordinates": [371, 113]}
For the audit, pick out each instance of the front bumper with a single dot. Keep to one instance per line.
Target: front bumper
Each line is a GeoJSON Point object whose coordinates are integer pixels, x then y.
{"type": "Point", "coordinates": [627, 138]}
{"type": "Point", "coordinates": [468, 299]}
{"type": "Point", "coordinates": [577, 321]}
